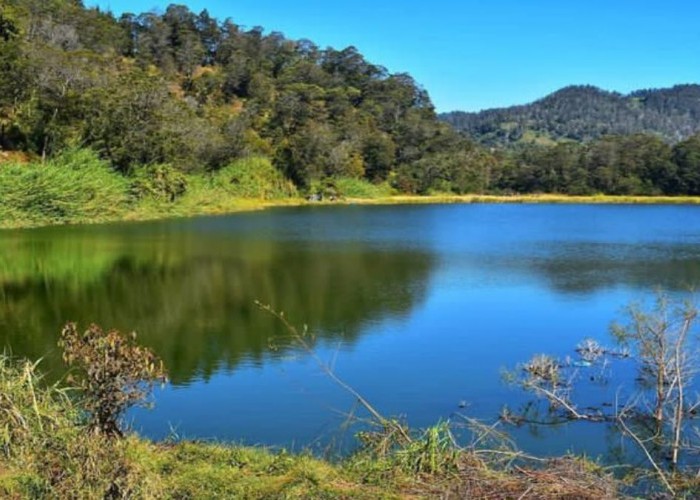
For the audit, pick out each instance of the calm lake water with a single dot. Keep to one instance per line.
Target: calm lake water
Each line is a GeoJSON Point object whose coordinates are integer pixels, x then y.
{"type": "Point", "coordinates": [417, 307]}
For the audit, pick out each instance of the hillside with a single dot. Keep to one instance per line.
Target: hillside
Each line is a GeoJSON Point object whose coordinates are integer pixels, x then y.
{"type": "Point", "coordinates": [195, 93]}
{"type": "Point", "coordinates": [177, 113]}
{"type": "Point", "coordinates": [586, 113]}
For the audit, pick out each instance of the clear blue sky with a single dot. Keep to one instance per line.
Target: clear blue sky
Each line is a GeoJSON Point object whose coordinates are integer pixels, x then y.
{"type": "Point", "coordinates": [476, 54]}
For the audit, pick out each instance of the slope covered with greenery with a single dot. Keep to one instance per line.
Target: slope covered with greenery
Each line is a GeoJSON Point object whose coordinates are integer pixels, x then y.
{"type": "Point", "coordinates": [192, 93]}
{"type": "Point", "coordinates": [585, 113]}
{"type": "Point", "coordinates": [150, 115]}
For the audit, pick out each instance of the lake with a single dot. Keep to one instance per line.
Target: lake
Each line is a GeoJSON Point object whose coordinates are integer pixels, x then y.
{"type": "Point", "coordinates": [419, 307]}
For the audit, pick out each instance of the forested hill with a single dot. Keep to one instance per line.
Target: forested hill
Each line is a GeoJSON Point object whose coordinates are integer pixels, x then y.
{"type": "Point", "coordinates": [586, 113]}
{"type": "Point", "coordinates": [101, 116]}
{"type": "Point", "coordinates": [183, 89]}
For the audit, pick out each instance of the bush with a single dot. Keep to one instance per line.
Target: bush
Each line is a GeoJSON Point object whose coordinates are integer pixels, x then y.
{"type": "Point", "coordinates": [162, 182]}
{"type": "Point", "coordinates": [76, 186]}
{"type": "Point", "coordinates": [114, 373]}
{"type": "Point", "coordinates": [254, 177]}
{"type": "Point", "coordinates": [360, 188]}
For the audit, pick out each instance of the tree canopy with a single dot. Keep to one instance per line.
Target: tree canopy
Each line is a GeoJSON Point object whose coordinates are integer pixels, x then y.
{"type": "Point", "coordinates": [186, 89]}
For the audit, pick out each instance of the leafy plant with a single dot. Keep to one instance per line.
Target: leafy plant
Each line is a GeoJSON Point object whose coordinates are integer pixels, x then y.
{"type": "Point", "coordinates": [113, 372]}
{"type": "Point", "coordinates": [162, 182]}
{"type": "Point", "coordinates": [254, 177]}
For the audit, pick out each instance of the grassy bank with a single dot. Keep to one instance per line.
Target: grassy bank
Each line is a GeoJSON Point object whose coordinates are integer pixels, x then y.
{"type": "Point", "coordinates": [226, 204]}
{"type": "Point", "coordinates": [79, 188]}
{"type": "Point", "coordinates": [528, 198]}
{"type": "Point", "coordinates": [48, 451]}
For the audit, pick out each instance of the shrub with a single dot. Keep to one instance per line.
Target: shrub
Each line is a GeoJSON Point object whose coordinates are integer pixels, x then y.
{"type": "Point", "coordinates": [254, 177]}
{"type": "Point", "coordinates": [360, 188]}
{"type": "Point", "coordinates": [162, 182]}
{"type": "Point", "coordinates": [114, 373]}
{"type": "Point", "coordinates": [75, 186]}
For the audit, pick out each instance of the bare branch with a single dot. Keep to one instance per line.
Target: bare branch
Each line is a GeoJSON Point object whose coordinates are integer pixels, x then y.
{"type": "Point", "coordinates": [642, 446]}
{"type": "Point", "coordinates": [301, 340]}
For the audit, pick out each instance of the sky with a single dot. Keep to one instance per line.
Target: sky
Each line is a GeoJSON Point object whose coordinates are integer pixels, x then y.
{"type": "Point", "coordinates": [478, 54]}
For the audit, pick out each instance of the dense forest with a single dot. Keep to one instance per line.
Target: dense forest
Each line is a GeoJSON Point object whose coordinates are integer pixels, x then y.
{"type": "Point", "coordinates": [583, 140]}
{"type": "Point", "coordinates": [585, 113]}
{"type": "Point", "coordinates": [186, 90]}
{"type": "Point", "coordinates": [100, 114]}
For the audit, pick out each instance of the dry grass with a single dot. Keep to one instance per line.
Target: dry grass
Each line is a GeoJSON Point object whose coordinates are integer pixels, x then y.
{"type": "Point", "coordinates": [529, 198]}
{"type": "Point", "coordinates": [217, 202]}
{"type": "Point", "coordinates": [563, 478]}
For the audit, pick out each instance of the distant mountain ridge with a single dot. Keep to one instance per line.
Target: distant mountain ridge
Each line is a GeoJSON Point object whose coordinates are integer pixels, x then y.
{"type": "Point", "coordinates": [585, 113]}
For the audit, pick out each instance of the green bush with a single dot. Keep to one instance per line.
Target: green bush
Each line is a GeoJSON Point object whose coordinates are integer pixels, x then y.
{"type": "Point", "coordinates": [254, 177]}
{"type": "Point", "coordinates": [76, 186]}
{"type": "Point", "coordinates": [360, 188]}
{"type": "Point", "coordinates": [162, 182]}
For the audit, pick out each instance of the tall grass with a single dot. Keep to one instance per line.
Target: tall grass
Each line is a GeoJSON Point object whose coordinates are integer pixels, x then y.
{"type": "Point", "coordinates": [48, 452]}
{"type": "Point", "coordinates": [253, 177]}
{"type": "Point", "coordinates": [74, 187]}
{"type": "Point", "coordinates": [45, 452]}
{"type": "Point", "coordinates": [50, 447]}
{"type": "Point", "coordinates": [349, 187]}
{"type": "Point", "coordinates": [78, 187]}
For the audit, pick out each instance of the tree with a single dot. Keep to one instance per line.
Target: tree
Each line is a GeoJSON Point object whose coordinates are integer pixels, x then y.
{"type": "Point", "coordinates": [8, 30]}
{"type": "Point", "coordinates": [379, 155]}
{"type": "Point", "coordinates": [14, 83]}
{"type": "Point", "coordinates": [686, 155]}
{"type": "Point", "coordinates": [658, 341]}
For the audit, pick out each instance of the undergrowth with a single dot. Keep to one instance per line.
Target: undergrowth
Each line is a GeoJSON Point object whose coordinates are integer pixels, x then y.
{"type": "Point", "coordinates": [49, 451]}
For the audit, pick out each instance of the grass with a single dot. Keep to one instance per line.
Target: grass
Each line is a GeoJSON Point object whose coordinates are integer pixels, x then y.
{"type": "Point", "coordinates": [46, 452]}
{"type": "Point", "coordinates": [211, 201]}
{"type": "Point", "coordinates": [74, 187]}
{"type": "Point", "coordinates": [79, 188]}
{"type": "Point", "coordinates": [533, 199]}
{"type": "Point", "coordinates": [352, 188]}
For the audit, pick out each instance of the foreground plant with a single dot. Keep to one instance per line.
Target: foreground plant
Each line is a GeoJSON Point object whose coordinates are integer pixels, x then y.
{"type": "Point", "coordinates": [657, 417]}
{"type": "Point", "coordinates": [112, 371]}
{"type": "Point", "coordinates": [432, 464]}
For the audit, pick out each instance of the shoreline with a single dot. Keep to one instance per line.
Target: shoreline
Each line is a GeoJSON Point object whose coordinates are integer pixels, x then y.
{"type": "Point", "coordinates": [240, 205]}
{"type": "Point", "coordinates": [528, 199]}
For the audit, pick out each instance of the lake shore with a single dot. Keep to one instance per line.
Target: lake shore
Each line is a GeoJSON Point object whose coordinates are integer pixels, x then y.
{"type": "Point", "coordinates": [230, 205]}
{"type": "Point", "coordinates": [50, 451]}
{"type": "Point", "coordinates": [528, 198]}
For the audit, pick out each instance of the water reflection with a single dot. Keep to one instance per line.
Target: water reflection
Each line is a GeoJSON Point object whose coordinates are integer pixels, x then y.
{"type": "Point", "coordinates": [191, 297]}
{"type": "Point", "coordinates": [584, 268]}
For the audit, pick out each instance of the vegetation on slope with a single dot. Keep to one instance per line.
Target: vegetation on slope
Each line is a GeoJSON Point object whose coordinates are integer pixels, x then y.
{"type": "Point", "coordinates": [179, 113]}
{"type": "Point", "coordinates": [586, 113]}
{"type": "Point", "coordinates": [188, 91]}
